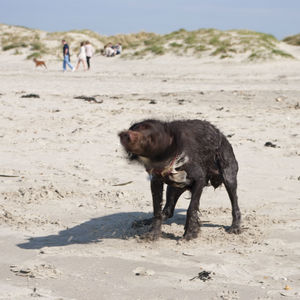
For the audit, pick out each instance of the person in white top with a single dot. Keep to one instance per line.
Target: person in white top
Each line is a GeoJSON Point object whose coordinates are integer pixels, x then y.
{"type": "Point", "coordinates": [118, 48]}
{"type": "Point", "coordinates": [89, 51]}
{"type": "Point", "coordinates": [81, 57]}
{"type": "Point", "coordinates": [108, 50]}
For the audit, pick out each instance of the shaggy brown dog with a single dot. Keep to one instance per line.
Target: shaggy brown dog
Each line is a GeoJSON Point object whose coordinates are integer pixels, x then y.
{"type": "Point", "coordinates": [186, 155]}
{"type": "Point", "coordinates": [39, 63]}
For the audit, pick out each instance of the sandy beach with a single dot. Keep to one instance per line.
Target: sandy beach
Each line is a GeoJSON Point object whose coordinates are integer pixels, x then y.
{"type": "Point", "coordinates": [66, 214]}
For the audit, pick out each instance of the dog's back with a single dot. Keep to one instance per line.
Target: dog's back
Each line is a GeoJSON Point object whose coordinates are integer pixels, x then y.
{"type": "Point", "coordinates": [206, 146]}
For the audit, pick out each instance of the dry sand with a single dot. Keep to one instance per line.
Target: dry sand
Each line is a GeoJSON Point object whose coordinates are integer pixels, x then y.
{"type": "Point", "coordinates": [66, 218]}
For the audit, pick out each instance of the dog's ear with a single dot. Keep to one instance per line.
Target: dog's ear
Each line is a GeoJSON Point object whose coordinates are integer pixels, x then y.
{"type": "Point", "coordinates": [167, 129]}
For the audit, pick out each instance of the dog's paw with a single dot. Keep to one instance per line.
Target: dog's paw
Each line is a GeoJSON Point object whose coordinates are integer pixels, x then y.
{"type": "Point", "coordinates": [234, 229]}
{"type": "Point", "coordinates": [190, 235]}
{"type": "Point", "coordinates": [151, 236]}
{"type": "Point", "coordinates": [167, 214]}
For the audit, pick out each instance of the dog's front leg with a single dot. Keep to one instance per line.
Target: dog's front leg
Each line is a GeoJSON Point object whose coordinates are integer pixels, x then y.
{"type": "Point", "coordinates": [157, 195]}
{"type": "Point", "coordinates": [192, 225]}
{"type": "Point", "coordinates": [173, 194]}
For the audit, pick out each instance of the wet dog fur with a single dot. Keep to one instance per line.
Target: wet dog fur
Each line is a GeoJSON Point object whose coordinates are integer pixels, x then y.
{"type": "Point", "coordinates": [185, 155]}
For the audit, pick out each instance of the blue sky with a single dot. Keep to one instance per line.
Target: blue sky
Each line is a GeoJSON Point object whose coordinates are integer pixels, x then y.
{"type": "Point", "coordinates": [278, 17]}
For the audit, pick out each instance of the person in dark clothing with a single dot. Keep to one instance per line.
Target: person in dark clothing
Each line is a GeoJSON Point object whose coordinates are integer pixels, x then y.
{"type": "Point", "coordinates": [66, 55]}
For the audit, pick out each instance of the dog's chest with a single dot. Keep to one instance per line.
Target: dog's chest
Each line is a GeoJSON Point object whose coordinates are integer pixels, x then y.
{"type": "Point", "coordinates": [174, 174]}
{"type": "Point", "coordinates": [177, 179]}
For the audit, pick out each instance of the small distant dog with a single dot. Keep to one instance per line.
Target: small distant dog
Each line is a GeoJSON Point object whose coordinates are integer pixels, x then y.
{"type": "Point", "coordinates": [39, 63]}
{"type": "Point", "coordinates": [185, 155]}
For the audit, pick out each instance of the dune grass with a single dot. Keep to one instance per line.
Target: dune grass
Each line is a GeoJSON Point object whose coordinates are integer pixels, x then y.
{"type": "Point", "coordinates": [282, 53]}
{"type": "Point", "coordinates": [207, 42]}
{"type": "Point", "coordinates": [293, 40]}
{"type": "Point", "coordinates": [14, 46]}
{"type": "Point", "coordinates": [213, 42]}
{"type": "Point", "coordinates": [10, 41]}
{"type": "Point", "coordinates": [18, 37]}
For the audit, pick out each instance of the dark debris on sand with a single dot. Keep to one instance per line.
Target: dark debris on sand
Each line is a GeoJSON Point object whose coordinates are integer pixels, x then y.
{"type": "Point", "coordinates": [89, 99]}
{"type": "Point", "coordinates": [30, 96]}
{"type": "Point", "coordinates": [270, 144]}
{"type": "Point", "coordinates": [204, 276]}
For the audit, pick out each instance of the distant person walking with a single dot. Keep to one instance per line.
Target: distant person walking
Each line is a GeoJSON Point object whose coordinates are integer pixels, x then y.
{"type": "Point", "coordinates": [89, 51]}
{"type": "Point", "coordinates": [66, 54]}
{"type": "Point", "coordinates": [81, 57]}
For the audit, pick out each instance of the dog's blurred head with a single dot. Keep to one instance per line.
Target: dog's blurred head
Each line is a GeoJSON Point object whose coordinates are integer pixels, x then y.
{"type": "Point", "coordinates": [148, 138]}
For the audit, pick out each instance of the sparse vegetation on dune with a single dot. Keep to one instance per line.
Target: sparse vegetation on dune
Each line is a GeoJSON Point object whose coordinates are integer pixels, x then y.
{"type": "Point", "coordinates": [20, 38]}
{"type": "Point", "coordinates": [293, 40]}
{"type": "Point", "coordinates": [245, 45]}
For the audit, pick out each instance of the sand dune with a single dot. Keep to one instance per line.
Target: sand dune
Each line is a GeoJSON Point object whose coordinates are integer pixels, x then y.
{"type": "Point", "coordinates": [207, 44]}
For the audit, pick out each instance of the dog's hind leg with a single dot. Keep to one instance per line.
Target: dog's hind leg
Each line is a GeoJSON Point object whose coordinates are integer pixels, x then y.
{"type": "Point", "coordinates": [230, 182]}
{"type": "Point", "coordinates": [173, 194]}
{"type": "Point", "coordinates": [228, 167]}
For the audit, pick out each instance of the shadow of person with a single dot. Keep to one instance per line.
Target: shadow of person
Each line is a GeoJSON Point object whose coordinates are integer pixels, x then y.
{"type": "Point", "coordinates": [114, 226]}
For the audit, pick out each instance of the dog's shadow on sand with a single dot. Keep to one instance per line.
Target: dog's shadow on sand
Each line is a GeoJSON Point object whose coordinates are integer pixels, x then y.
{"type": "Point", "coordinates": [114, 226]}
